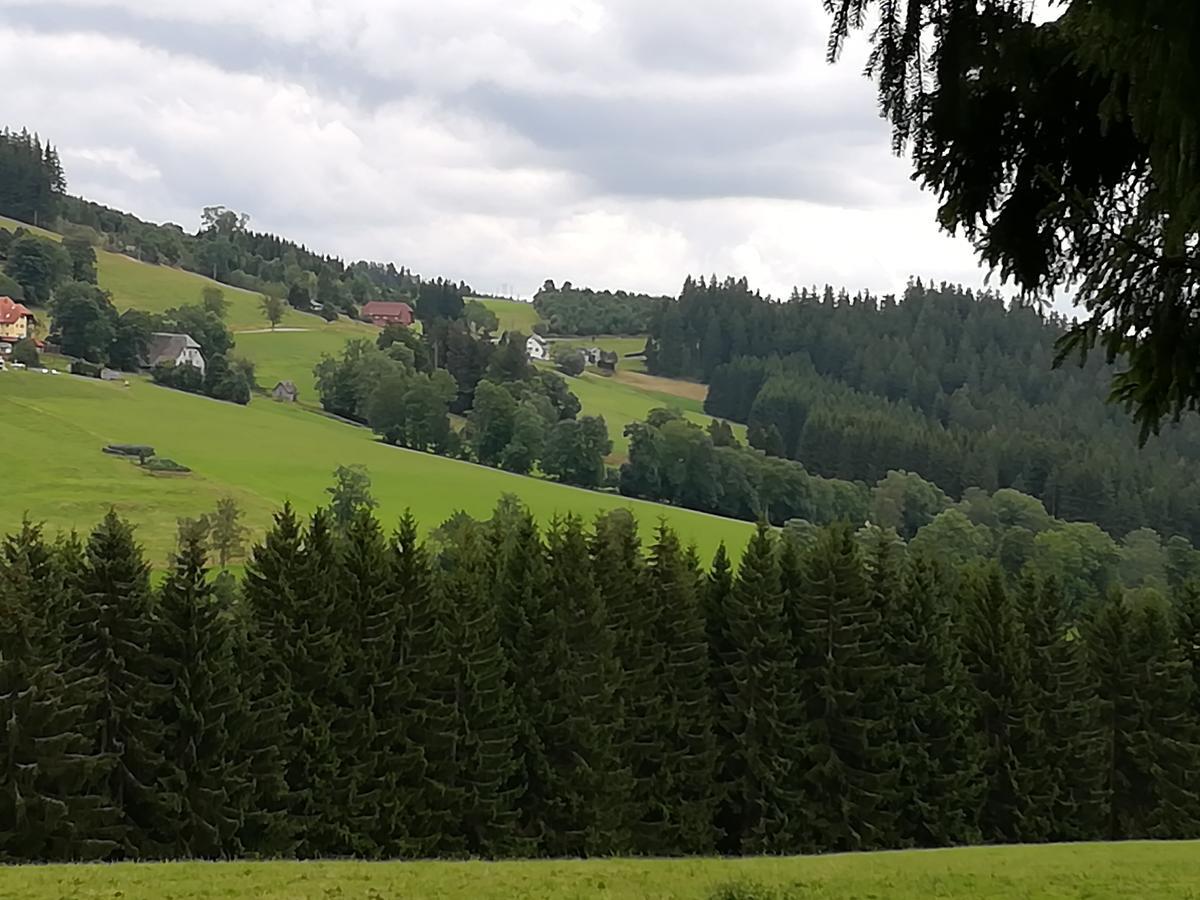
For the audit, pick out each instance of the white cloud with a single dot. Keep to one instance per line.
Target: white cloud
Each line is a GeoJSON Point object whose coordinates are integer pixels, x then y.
{"type": "Point", "coordinates": [617, 144]}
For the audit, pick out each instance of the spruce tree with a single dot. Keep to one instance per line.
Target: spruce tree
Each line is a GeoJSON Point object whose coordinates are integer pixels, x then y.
{"type": "Point", "coordinates": [1069, 751]}
{"type": "Point", "coordinates": [488, 772]}
{"type": "Point", "coordinates": [847, 687]}
{"type": "Point", "coordinates": [761, 809]}
{"type": "Point", "coordinates": [578, 783]}
{"type": "Point", "coordinates": [682, 786]}
{"type": "Point", "coordinates": [110, 643]}
{"type": "Point", "coordinates": [717, 590]}
{"type": "Point", "coordinates": [939, 779]}
{"type": "Point", "coordinates": [996, 654]}
{"type": "Point", "coordinates": [1148, 723]}
{"type": "Point", "coordinates": [425, 760]}
{"type": "Point", "coordinates": [196, 646]}
{"type": "Point", "coordinates": [49, 807]}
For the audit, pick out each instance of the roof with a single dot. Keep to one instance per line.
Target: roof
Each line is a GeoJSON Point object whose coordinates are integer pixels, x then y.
{"type": "Point", "coordinates": [167, 346]}
{"type": "Point", "coordinates": [289, 386]}
{"type": "Point", "coordinates": [386, 308]}
{"type": "Point", "coordinates": [534, 337]}
{"type": "Point", "coordinates": [11, 311]}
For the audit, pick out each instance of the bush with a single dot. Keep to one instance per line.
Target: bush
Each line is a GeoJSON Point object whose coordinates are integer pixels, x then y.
{"type": "Point", "coordinates": [26, 353]}
{"type": "Point", "coordinates": [570, 361]}
{"type": "Point", "coordinates": [162, 464]}
{"type": "Point", "coordinates": [88, 369]}
{"type": "Point", "coordinates": [137, 451]}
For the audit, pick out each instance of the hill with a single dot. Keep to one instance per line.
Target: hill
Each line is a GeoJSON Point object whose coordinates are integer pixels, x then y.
{"type": "Point", "coordinates": [262, 454]}
{"type": "Point", "coordinates": [514, 315]}
{"type": "Point", "coordinates": [1096, 871]}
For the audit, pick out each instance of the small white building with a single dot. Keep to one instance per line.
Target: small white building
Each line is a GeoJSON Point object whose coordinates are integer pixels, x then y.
{"type": "Point", "coordinates": [177, 349]}
{"type": "Point", "coordinates": [536, 348]}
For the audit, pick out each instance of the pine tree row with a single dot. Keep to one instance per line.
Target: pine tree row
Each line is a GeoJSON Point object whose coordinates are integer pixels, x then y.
{"type": "Point", "coordinates": [504, 692]}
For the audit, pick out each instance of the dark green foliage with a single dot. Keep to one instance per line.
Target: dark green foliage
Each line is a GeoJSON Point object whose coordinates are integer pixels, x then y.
{"type": "Point", "coordinates": [506, 695]}
{"type": "Point", "coordinates": [83, 259]}
{"type": "Point", "coordinates": [111, 641]}
{"type": "Point", "coordinates": [847, 683]}
{"type": "Point", "coordinates": [575, 449]}
{"type": "Point", "coordinates": [31, 178]}
{"type": "Point", "coordinates": [26, 353]}
{"type": "Point", "coordinates": [39, 266]}
{"type": "Point", "coordinates": [200, 710]}
{"type": "Point", "coordinates": [571, 310]}
{"type": "Point", "coordinates": [759, 768]}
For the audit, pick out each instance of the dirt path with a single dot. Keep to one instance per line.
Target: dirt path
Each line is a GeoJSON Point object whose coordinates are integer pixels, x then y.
{"type": "Point", "coordinates": [688, 390]}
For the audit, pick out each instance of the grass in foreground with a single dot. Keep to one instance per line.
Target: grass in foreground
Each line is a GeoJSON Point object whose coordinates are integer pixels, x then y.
{"type": "Point", "coordinates": [1164, 871]}
{"type": "Point", "coordinates": [262, 454]}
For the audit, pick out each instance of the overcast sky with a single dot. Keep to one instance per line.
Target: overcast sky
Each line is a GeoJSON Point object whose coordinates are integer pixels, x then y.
{"type": "Point", "coordinates": [621, 143]}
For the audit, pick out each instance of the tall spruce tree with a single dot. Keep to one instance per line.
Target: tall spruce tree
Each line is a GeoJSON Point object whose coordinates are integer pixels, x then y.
{"type": "Point", "coordinates": [1149, 723]}
{"type": "Point", "coordinates": [579, 783]}
{"type": "Point", "coordinates": [110, 643]}
{"type": "Point", "coordinates": [489, 774]}
{"type": "Point", "coordinates": [717, 590]}
{"type": "Point", "coordinates": [847, 686]}
{"type": "Point", "coordinates": [681, 785]}
{"type": "Point", "coordinates": [939, 777]}
{"type": "Point", "coordinates": [1067, 758]}
{"type": "Point", "coordinates": [200, 709]}
{"type": "Point", "coordinates": [760, 764]}
{"type": "Point", "coordinates": [49, 807]}
{"type": "Point", "coordinates": [996, 654]}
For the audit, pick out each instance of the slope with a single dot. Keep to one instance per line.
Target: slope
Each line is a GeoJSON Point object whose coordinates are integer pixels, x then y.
{"type": "Point", "coordinates": [262, 454]}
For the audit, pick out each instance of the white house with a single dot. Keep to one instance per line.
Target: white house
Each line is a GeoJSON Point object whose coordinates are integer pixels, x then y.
{"type": "Point", "coordinates": [536, 348]}
{"type": "Point", "coordinates": [178, 349]}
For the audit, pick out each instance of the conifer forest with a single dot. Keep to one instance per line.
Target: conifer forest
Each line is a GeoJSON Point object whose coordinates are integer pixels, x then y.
{"type": "Point", "coordinates": [499, 690]}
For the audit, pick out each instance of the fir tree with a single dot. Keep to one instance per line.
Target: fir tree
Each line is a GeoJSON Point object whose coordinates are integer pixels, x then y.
{"type": "Point", "coordinates": [489, 773]}
{"type": "Point", "coordinates": [204, 698]}
{"type": "Point", "coordinates": [1068, 755]}
{"type": "Point", "coordinates": [847, 687]}
{"type": "Point", "coordinates": [681, 788]}
{"type": "Point", "coordinates": [939, 780]}
{"type": "Point", "coordinates": [717, 590]}
{"type": "Point", "coordinates": [111, 640]}
{"type": "Point", "coordinates": [759, 770]}
{"type": "Point", "coordinates": [995, 652]}
{"type": "Point", "coordinates": [49, 808]}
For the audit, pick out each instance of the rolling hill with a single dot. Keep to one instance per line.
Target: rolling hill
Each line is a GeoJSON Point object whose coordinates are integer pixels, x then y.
{"type": "Point", "coordinates": [262, 454]}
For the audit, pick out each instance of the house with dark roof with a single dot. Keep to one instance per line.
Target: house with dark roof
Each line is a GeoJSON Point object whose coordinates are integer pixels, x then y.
{"type": "Point", "coordinates": [285, 392]}
{"type": "Point", "coordinates": [383, 312]}
{"type": "Point", "coordinates": [16, 320]}
{"type": "Point", "coordinates": [176, 349]}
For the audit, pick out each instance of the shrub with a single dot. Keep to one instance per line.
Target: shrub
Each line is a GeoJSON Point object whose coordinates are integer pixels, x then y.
{"type": "Point", "coordinates": [136, 451]}
{"type": "Point", "coordinates": [162, 464]}
{"type": "Point", "coordinates": [570, 361]}
{"type": "Point", "coordinates": [83, 367]}
{"type": "Point", "coordinates": [26, 353]}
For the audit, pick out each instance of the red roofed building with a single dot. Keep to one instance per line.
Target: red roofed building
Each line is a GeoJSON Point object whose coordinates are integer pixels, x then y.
{"type": "Point", "coordinates": [381, 312]}
{"type": "Point", "coordinates": [15, 320]}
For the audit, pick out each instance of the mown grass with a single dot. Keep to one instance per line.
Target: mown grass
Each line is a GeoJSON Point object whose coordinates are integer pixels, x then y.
{"type": "Point", "coordinates": [291, 355]}
{"type": "Point", "coordinates": [262, 454]}
{"type": "Point", "coordinates": [621, 404]}
{"type": "Point", "coordinates": [514, 315]}
{"type": "Point", "coordinates": [619, 345]}
{"type": "Point", "coordinates": [1166, 871]}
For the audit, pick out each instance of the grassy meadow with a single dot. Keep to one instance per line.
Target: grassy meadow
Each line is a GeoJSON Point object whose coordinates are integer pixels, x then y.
{"type": "Point", "coordinates": [291, 355]}
{"type": "Point", "coordinates": [1162, 871]}
{"type": "Point", "coordinates": [262, 454]}
{"type": "Point", "coordinates": [514, 315]}
{"type": "Point", "coordinates": [618, 345]}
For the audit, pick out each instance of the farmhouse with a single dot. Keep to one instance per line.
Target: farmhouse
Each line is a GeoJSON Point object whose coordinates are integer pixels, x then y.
{"type": "Point", "coordinates": [15, 320]}
{"type": "Point", "coordinates": [381, 313]}
{"type": "Point", "coordinates": [536, 348]}
{"type": "Point", "coordinates": [286, 392]}
{"type": "Point", "coordinates": [177, 349]}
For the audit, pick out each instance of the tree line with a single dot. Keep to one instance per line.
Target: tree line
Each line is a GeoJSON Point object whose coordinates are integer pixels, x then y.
{"type": "Point", "coordinates": [957, 387]}
{"type": "Point", "coordinates": [503, 691]}
{"type": "Point", "coordinates": [571, 310]}
{"type": "Point", "coordinates": [31, 177]}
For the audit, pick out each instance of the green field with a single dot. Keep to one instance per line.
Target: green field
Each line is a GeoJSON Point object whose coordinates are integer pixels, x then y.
{"type": "Point", "coordinates": [1163, 871]}
{"type": "Point", "coordinates": [262, 454]}
{"type": "Point", "coordinates": [291, 355]}
{"type": "Point", "coordinates": [621, 404]}
{"type": "Point", "coordinates": [514, 315]}
{"type": "Point", "coordinates": [619, 345]}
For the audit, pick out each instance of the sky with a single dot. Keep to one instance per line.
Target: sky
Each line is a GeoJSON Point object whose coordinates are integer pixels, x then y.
{"type": "Point", "coordinates": [619, 144]}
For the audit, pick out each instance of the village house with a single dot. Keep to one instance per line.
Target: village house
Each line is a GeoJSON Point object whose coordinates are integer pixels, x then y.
{"type": "Point", "coordinates": [16, 321]}
{"type": "Point", "coordinates": [285, 392]}
{"type": "Point", "coordinates": [383, 312]}
{"type": "Point", "coordinates": [176, 349]}
{"type": "Point", "coordinates": [536, 348]}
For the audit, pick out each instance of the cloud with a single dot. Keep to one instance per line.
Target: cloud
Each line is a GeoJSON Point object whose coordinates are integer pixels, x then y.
{"type": "Point", "coordinates": [617, 144]}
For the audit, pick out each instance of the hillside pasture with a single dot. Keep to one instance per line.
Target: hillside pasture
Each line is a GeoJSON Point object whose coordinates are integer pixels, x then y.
{"type": "Point", "coordinates": [514, 315]}
{"type": "Point", "coordinates": [1163, 871]}
{"type": "Point", "coordinates": [262, 454]}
